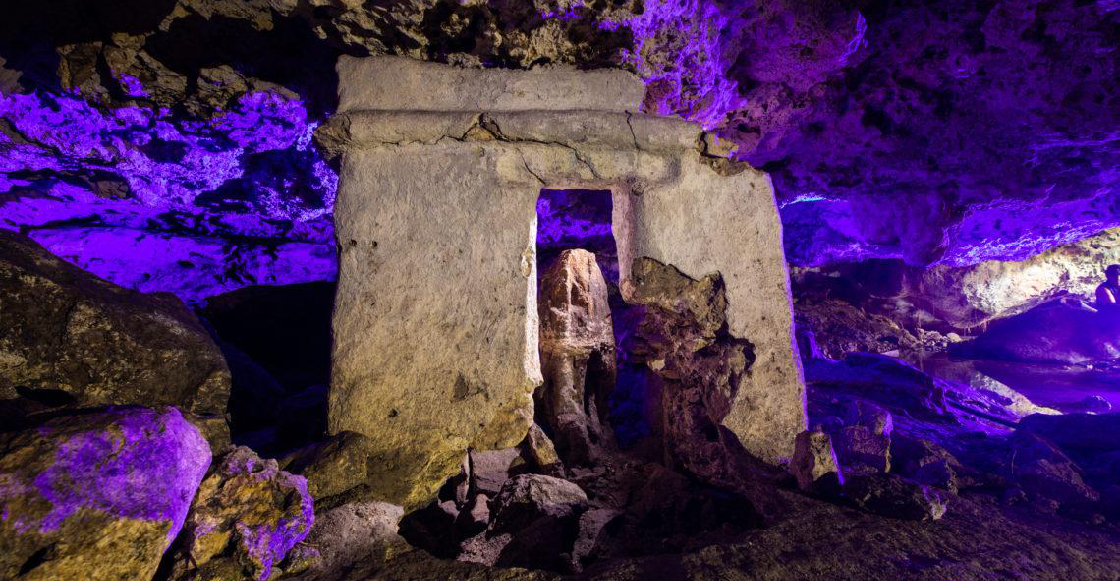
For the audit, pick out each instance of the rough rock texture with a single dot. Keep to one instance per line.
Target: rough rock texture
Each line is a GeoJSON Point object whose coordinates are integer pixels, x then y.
{"type": "Point", "coordinates": [333, 466]}
{"type": "Point", "coordinates": [837, 328]}
{"type": "Point", "coordinates": [577, 355]}
{"type": "Point", "coordinates": [814, 463]}
{"type": "Point", "coordinates": [350, 534]}
{"type": "Point", "coordinates": [423, 411]}
{"type": "Point", "coordinates": [850, 106]}
{"type": "Point", "coordinates": [91, 343]}
{"type": "Point", "coordinates": [247, 515]}
{"type": "Point", "coordinates": [893, 496]}
{"type": "Point", "coordinates": [98, 496]}
{"type": "Point", "coordinates": [700, 370]}
{"type": "Point", "coordinates": [861, 451]}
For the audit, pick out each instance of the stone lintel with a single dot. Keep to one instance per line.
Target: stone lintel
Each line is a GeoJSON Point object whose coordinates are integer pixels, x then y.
{"type": "Point", "coordinates": [402, 84]}
{"type": "Point", "coordinates": [579, 129]}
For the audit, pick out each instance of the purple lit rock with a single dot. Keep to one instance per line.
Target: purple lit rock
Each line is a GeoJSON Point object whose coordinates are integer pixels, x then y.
{"type": "Point", "coordinates": [97, 496]}
{"type": "Point", "coordinates": [94, 343]}
{"type": "Point", "coordinates": [248, 514]}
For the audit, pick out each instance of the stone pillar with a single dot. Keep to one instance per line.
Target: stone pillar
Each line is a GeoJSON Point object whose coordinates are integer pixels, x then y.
{"type": "Point", "coordinates": [577, 355]}
{"type": "Point", "coordinates": [435, 322]}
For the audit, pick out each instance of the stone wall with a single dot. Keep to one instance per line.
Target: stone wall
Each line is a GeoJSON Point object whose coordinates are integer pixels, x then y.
{"type": "Point", "coordinates": [435, 324]}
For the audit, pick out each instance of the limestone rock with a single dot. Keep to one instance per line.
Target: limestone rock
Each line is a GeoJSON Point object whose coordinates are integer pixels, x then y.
{"type": "Point", "coordinates": [1044, 472]}
{"type": "Point", "coordinates": [408, 174]}
{"type": "Point", "coordinates": [814, 463]}
{"type": "Point", "coordinates": [577, 355]}
{"type": "Point", "coordinates": [861, 451]}
{"type": "Point", "coordinates": [70, 333]}
{"type": "Point", "coordinates": [527, 497]}
{"type": "Point", "coordinates": [245, 518]}
{"type": "Point", "coordinates": [97, 496]}
{"type": "Point", "coordinates": [893, 496]}
{"type": "Point", "coordinates": [541, 449]}
{"type": "Point", "coordinates": [490, 469]}
{"type": "Point", "coordinates": [869, 415]}
{"type": "Point", "coordinates": [700, 371]}
{"type": "Point", "coordinates": [333, 466]}
{"type": "Point", "coordinates": [533, 524]}
{"type": "Point", "coordinates": [925, 462]}
{"type": "Point", "coordinates": [361, 532]}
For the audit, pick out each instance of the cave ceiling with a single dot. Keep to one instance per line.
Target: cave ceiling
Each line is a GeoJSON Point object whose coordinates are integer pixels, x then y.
{"type": "Point", "coordinates": [168, 144]}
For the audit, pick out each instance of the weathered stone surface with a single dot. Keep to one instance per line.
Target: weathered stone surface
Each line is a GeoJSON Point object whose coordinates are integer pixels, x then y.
{"type": "Point", "coordinates": [892, 496]}
{"type": "Point", "coordinates": [436, 87]}
{"type": "Point", "coordinates": [472, 387]}
{"type": "Point", "coordinates": [577, 355]}
{"type": "Point", "coordinates": [839, 328]}
{"type": "Point", "coordinates": [245, 518]}
{"type": "Point", "coordinates": [814, 463]}
{"type": "Point", "coordinates": [67, 331]}
{"type": "Point", "coordinates": [333, 466]}
{"type": "Point", "coordinates": [97, 496]}
{"type": "Point", "coordinates": [1044, 472]}
{"type": "Point", "coordinates": [350, 534]}
{"type": "Point", "coordinates": [490, 469]}
{"type": "Point", "coordinates": [861, 451]}
{"type": "Point", "coordinates": [541, 449]}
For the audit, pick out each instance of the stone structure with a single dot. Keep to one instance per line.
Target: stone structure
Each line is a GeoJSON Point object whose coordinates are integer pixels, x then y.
{"type": "Point", "coordinates": [435, 324]}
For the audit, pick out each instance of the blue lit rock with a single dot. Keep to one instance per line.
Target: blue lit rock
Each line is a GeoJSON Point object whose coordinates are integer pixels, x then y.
{"type": "Point", "coordinates": [97, 496]}
{"type": "Point", "coordinates": [246, 517]}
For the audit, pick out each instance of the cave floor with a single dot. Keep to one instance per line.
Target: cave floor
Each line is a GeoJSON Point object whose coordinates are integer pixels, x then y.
{"type": "Point", "coordinates": [977, 539]}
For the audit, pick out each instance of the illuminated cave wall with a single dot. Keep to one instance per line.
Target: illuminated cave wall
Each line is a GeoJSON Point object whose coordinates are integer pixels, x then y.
{"type": "Point", "coordinates": [167, 145]}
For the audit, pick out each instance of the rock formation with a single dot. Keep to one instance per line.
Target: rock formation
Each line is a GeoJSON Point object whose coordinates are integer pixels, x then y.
{"type": "Point", "coordinates": [577, 355]}
{"type": "Point", "coordinates": [97, 496]}
{"type": "Point", "coordinates": [672, 203]}
{"type": "Point", "coordinates": [72, 339]}
{"type": "Point", "coordinates": [245, 518]}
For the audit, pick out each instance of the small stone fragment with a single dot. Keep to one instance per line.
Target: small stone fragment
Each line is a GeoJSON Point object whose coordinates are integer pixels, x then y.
{"type": "Point", "coordinates": [814, 463]}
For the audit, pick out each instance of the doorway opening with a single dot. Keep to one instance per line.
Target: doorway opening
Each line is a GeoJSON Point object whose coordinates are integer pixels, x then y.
{"type": "Point", "coordinates": [618, 407]}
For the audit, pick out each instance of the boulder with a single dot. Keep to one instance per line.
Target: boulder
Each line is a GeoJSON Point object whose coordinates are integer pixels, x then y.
{"type": "Point", "coordinates": [490, 469]}
{"type": "Point", "coordinates": [593, 526]}
{"type": "Point", "coordinates": [893, 496]}
{"type": "Point", "coordinates": [245, 518]}
{"type": "Point", "coordinates": [1045, 473]}
{"type": "Point", "coordinates": [814, 463]}
{"type": "Point", "coordinates": [1059, 331]}
{"type": "Point", "coordinates": [92, 343]}
{"type": "Point", "coordinates": [528, 497]}
{"type": "Point", "coordinates": [860, 451]}
{"type": "Point", "coordinates": [925, 462]}
{"type": "Point", "coordinates": [869, 415]}
{"type": "Point", "coordinates": [533, 524]}
{"type": "Point", "coordinates": [98, 496]}
{"type": "Point", "coordinates": [360, 532]}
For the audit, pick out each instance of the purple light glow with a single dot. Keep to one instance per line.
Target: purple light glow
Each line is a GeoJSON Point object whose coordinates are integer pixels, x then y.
{"type": "Point", "coordinates": [196, 207]}
{"type": "Point", "coordinates": [130, 464]}
{"type": "Point", "coordinates": [267, 544]}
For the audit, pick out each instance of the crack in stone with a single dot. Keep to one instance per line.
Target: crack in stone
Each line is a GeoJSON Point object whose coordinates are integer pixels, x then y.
{"type": "Point", "coordinates": [629, 116]}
